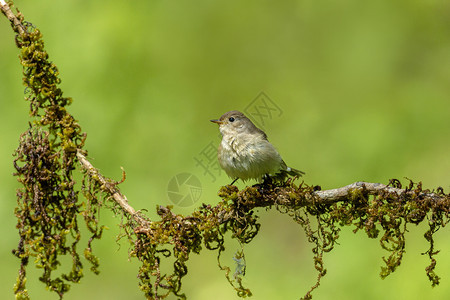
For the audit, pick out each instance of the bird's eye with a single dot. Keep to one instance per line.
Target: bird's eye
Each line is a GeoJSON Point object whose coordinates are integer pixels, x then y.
{"type": "Point", "coordinates": [231, 119]}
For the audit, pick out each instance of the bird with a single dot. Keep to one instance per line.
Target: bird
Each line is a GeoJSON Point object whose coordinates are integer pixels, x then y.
{"type": "Point", "coordinates": [245, 152]}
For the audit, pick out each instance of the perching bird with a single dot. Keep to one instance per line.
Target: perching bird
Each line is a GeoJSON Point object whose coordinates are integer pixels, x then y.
{"type": "Point", "coordinates": [245, 152]}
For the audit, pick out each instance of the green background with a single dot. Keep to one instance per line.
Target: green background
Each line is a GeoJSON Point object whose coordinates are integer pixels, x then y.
{"type": "Point", "coordinates": [364, 91]}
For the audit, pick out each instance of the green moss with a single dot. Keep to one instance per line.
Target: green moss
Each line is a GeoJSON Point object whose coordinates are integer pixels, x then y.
{"type": "Point", "coordinates": [47, 203]}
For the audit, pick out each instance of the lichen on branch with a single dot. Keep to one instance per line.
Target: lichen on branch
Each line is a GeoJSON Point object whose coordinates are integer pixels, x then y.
{"type": "Point", "coordinates": [381, 211]}
{"type": "Point", "coordinates": [47, 203]}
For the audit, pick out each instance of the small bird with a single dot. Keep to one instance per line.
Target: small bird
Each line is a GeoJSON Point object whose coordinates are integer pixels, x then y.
{"type": "Point", "coordinates": [245, 152]}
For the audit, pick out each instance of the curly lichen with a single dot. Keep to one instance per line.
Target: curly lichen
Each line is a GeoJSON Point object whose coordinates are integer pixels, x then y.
{"type": "Point", "coordinates": [48, 205]}
{"type": "Point", "coordinates": [177, 236]}
{"type": "Point", "coordinates": [376, 213]}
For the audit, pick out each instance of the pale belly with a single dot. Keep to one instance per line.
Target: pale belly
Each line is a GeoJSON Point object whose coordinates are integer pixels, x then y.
{"type": "Point", "coordinates": [250, 162]}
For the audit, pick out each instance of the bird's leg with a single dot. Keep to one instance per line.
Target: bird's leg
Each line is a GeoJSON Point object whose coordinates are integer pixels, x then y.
{"type": "Point", "coordinates": [267, 180]}
{"type": "Point", "coordinates": [234, 181]}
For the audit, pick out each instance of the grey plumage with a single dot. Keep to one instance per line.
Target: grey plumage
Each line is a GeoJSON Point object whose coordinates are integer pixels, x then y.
{"type": "Point", "coordinates": [245, 151]}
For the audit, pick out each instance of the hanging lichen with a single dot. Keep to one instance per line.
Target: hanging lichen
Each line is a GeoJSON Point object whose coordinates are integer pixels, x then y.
{"type": "Point", "coordinates": [48, 205]}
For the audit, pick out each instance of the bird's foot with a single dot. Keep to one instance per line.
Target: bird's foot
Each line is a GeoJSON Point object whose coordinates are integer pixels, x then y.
{"type": "Point", "coordinates": [233, 181]}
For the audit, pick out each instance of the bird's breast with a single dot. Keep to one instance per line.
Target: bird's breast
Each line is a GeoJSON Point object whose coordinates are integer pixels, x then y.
{"type": "Point", "coordinates": [249, 158]}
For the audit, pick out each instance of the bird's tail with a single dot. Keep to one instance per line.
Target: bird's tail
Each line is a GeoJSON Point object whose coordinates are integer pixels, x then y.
{"type": "Point", "coordinates": [294, 172]}
{"type": "Point", "coordinates": [285, 170]}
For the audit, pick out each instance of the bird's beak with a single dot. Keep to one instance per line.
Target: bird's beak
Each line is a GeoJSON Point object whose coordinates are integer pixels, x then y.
{"type": "Point", "coordinates": [217, 121]}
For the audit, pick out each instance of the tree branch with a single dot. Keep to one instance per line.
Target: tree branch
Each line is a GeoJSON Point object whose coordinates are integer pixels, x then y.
{"type": "Point", "coordinates": [277, 196]}
{"type": "Point", "coordinates": [110, 187]}
{"type": "Point", "coordinates": [272, 197]}
{"type": "Point", "coordinates": [343, 193]}
{"type": "Point", "coordinates": [15, 22]}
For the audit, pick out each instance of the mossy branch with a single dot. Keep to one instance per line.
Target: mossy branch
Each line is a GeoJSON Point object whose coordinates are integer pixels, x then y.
{"type": "Point", "coordinates": [110, 187]}
{"type": "Point", "coordinates": [49, 206]}
{"type": "Point", "coordinates": [15, 22]}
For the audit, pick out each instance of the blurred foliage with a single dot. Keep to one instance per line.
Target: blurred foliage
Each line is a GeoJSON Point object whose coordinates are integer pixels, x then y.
{"type": "Point", "coordinates": [363, 87]}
